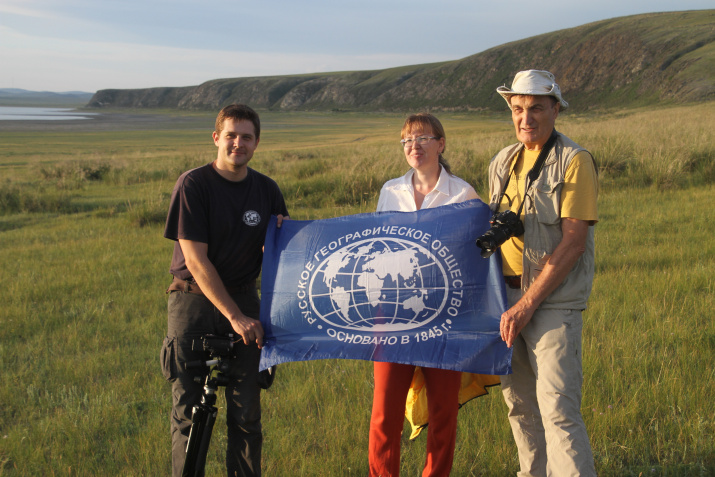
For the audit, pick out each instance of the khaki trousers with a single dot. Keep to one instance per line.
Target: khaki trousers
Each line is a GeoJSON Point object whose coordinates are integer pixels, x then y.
{"type": "Point", "coordinates": [543, 395]}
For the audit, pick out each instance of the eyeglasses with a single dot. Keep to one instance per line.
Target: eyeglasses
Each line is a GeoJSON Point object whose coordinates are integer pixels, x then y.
{"type": "Point", "coordinates": [421, 140]}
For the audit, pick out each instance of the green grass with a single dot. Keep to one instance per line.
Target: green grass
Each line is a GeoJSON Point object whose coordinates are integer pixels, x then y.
{"type": "Point", "coordinates": [85, 268]}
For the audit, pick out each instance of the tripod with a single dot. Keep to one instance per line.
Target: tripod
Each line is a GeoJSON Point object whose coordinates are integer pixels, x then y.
{"type": "Point", "coordinates": [203, 417]}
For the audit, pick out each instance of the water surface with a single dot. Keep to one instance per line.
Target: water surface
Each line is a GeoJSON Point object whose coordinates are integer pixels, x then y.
{"type": "Point", "coordinates": [22, 113]}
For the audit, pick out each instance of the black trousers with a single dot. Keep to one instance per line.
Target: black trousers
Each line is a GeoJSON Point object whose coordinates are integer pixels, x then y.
{"type": "Point", "coordinates": [192, 316]}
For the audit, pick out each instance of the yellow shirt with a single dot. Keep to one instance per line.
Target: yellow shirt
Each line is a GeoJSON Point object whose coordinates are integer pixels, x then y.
{"type": "Point", "coordinates": [580, 176]}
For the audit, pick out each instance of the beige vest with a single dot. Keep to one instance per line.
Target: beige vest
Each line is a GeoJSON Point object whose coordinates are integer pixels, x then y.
{"type": "Point", "coordinates": [542, 222]}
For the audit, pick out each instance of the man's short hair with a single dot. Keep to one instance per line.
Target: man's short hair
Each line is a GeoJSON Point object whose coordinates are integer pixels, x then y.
{"type": "Point", "coordinates": [554, 101]}
{"type": "Point", "coordinates": [239, 112]}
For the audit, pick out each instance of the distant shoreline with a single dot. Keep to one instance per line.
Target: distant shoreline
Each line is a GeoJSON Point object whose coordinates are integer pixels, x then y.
{"type": "Point", "coordinates": [115, 120]}
{"type": "Point", "coordinates": [37, 113]}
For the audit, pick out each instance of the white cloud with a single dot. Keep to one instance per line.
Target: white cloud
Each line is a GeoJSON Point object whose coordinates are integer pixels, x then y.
{"type": "Point", "coordinates": [64, 65]}
{"type": "Point", "coordinates": [96, 44]}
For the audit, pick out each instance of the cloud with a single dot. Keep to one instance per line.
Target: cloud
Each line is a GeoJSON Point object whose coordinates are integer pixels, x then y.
{"type": "Point", "coordinates": [61, 65]}
{"type": "Point", "coordinates": [94, 44]}
{"type": "Point", "coordinates": [20, 9]}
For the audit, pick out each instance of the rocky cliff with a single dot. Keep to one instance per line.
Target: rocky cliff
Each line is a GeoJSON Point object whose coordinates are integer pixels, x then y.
{"type": "Point", "coordinates": [634, 60]}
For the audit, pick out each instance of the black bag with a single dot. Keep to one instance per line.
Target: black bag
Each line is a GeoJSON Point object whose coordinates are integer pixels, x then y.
{"type": "Point", "coordinates": [266, 377]}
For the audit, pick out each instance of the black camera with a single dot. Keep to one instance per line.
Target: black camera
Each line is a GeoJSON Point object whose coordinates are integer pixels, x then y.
{"type": "Point", "coordinates": [504, 225]}
{"type": "Point", "coordinates": [216, 346]}
{"type": "Point", "coordinates": [223, 347]}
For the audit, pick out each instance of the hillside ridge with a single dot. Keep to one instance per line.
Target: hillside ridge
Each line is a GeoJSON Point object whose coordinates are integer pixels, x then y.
{"type": "Point", "coordinates": [634, 60]}
{"type": "Point", "coordinates": [22, 97]}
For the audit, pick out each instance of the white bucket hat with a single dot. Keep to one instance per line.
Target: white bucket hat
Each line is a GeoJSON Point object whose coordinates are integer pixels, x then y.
{"type": "Point", "coordinates": [533, 83]}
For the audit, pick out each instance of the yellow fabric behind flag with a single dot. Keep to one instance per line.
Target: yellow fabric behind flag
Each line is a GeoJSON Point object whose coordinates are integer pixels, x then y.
{"type": "Point", "coordinates": [473, 385]}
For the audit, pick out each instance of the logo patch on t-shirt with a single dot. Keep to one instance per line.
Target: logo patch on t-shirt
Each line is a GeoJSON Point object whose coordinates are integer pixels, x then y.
{"type": "Point", "coordinates": [252, 218]}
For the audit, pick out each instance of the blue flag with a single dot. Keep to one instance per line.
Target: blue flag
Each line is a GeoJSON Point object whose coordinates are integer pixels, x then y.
{"type": "Point", "coordinates": [400, 287]}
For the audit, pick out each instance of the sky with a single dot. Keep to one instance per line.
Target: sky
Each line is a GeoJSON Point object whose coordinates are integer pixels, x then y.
{"type": "Point", "coordinates": [88, 45]}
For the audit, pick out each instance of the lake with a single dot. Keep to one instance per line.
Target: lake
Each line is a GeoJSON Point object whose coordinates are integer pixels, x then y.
{"type": "Point", "coordinates": [21, 113]}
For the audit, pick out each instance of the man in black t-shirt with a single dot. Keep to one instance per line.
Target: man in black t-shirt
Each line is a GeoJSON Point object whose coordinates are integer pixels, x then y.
{"type": "Point", "coordinates": [218, 217]}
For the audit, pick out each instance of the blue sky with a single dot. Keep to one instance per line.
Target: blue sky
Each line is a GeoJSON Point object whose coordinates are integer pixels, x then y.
{"type": "Point", "coordinates": [87, 45]}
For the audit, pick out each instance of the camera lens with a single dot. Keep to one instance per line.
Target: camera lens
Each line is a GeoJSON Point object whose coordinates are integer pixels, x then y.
{"type": "Point", "coordinates": [487, 245]}
{"type": "Point", "coordinates": [504, 225]}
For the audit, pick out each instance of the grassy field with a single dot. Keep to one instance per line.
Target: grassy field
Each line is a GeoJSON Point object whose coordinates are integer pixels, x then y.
{"type": "Point", "coordinates": [85, 268]}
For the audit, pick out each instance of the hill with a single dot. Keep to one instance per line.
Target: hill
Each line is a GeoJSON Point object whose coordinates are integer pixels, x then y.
{"type": "Point", "coordinates": [21, 97]}
{"type": "Point", "coordinates": [635, 60]}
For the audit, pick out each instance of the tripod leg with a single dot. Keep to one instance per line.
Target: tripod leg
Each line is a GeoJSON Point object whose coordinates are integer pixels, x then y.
{"type": "Point", "coordinates": [202, 422]}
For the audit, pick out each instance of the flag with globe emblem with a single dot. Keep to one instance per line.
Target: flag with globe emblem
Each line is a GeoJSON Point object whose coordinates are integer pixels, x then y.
{"type": "Point", "coordinates": [401, 287]}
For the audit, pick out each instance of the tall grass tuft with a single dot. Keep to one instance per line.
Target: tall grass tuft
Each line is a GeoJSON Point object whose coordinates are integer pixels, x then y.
{"type": "Point", "coordinates": [668, 149]}
{"type": "Point", "coordinates": [18, 198]}
{"type": "Point", "coordinates": [74, 174]}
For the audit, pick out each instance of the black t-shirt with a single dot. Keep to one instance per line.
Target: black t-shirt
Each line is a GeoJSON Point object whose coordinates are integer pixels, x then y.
{"type": "Point", "coordinates": [231, 217]}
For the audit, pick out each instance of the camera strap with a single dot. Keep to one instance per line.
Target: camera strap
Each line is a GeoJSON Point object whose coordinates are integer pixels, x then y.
{"type": "Point", "coordinates": [534, 173]}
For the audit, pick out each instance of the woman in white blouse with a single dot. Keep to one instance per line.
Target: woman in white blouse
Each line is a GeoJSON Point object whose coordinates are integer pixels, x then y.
{"type": "Point", "coordinates": [429, 183]}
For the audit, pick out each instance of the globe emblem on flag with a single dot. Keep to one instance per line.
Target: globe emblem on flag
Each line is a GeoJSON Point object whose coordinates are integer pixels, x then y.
{"type": "Point", "coordinates": [385, 284]}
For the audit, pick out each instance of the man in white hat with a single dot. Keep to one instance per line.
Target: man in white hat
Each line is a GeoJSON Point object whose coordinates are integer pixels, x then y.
{"type": "Point", "coordinates": [549, 272]}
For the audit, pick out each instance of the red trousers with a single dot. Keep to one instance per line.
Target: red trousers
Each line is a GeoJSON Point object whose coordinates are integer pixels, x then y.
{"type": "Point", "coordinates": [392, 382]}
